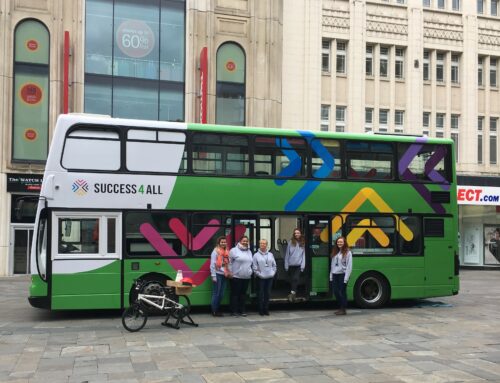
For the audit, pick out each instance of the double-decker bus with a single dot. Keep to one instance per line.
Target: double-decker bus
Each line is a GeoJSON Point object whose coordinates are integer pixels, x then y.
{"type": "Point", "coordinates": [129, 199]}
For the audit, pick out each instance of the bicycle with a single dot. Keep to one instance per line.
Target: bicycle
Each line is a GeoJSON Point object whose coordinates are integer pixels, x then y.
{"type": "Point", "coordinates": [177, 306]}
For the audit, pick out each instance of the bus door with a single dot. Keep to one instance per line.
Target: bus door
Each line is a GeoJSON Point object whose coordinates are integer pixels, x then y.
{"type": "Point", "coordinates": [439, 255]}
{"type": "Point", "coordinates": [318, 238]}
{"type": "Point", "coordinates": [86, 260]}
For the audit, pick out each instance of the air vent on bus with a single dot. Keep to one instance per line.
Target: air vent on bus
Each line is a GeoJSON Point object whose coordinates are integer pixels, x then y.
{"type": "Point", "coordinates": [440, 197]}
{"type": "Point", "coordinates": [434, 227]}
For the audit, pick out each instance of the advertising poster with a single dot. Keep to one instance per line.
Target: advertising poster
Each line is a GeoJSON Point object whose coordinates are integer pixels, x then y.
{"type": "Point", "coordinates": [471, 244]}
{"type": "Point", "coordinates": [491, 245]}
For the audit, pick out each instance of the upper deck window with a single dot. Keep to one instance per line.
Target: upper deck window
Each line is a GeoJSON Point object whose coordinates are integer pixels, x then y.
{"type": "Point", "coordinates": [369, 160]}
{"type": "Point", "coordinates": [280, 156]}
{"type": "Point", "coordinates": [156, 151]}
{"type": "Point", "coordinates": [91, 149]}
{"type": "Point", "coordinates": [220, 154]}
{"type": "Point", "coordinates": [423, 162]}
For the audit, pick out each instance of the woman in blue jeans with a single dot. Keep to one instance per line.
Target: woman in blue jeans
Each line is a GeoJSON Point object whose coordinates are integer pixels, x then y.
{"type": "Point", "coordinates": [340, 271]}
{"type": "Point", "coordinates": [219, 270]}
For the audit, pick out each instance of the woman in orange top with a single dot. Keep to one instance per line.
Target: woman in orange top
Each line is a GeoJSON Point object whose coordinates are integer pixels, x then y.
{"type": "Point", "coordinates": [219, 270]}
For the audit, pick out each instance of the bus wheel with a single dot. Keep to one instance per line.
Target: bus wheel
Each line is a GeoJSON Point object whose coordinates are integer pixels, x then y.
{"type": "Point", "coordinates": [371, 291]}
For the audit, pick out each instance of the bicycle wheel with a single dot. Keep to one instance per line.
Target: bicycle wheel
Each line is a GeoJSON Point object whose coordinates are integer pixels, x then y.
{"type": "Point", "coordinates": [185, 309]}
{"type": "Point", "coordinates": [134, 318]}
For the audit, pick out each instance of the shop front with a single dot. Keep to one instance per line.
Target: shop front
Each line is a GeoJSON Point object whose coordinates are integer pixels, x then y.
{"type": "Point", "coordinates": [479, 222]}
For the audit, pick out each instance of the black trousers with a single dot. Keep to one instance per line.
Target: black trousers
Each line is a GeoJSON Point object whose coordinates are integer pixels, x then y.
{"type": "Point", "coordinates": [264, 292]}
{"type": "Point", "coordinates": [294, 275]}
{"type": "Point", "coordinates": [238, 295]}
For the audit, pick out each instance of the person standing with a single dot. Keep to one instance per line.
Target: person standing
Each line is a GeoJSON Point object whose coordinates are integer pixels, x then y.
{"type": "Point", "coordinates": [264, 267]}
{"type": "Point", "coordinates": [295, 261]}
{"type": "Point", "coordinates": [340, 271]}
{"type": "Point", "coordinates": [240, 266]}
{"type": "Point", "coordinates": [219, 270]}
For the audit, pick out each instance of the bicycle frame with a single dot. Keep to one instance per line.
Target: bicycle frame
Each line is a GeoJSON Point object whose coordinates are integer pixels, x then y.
{"type": "Point", "coordinates": [147, 298]}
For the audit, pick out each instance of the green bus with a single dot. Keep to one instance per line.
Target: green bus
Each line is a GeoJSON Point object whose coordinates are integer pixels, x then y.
{"type": "Point", "coordinates": [127, 199]}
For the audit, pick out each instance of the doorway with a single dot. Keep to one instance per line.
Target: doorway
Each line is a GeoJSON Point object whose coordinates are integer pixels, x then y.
{"type": "Point", "coordinates": [20, 245]}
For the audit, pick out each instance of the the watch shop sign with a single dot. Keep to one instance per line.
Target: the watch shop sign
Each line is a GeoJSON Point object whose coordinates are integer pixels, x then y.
{"type": "Point", "coordinates": [24, 183]}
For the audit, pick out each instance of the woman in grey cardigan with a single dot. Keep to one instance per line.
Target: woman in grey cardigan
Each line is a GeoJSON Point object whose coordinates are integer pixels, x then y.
{"type": "Point", "coordinates": [295, 261]}
{"type": "Point", "coordinates": [264, 267]}
{"type": "Point", "coordinates": [240, 266]}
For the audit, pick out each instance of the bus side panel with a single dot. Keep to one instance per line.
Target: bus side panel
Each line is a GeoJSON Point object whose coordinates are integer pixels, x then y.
{"type": "Point", "coordinates": [98, 288]}
{"type": "Point", "coordinates": [405, 274]}
{"type": "Point", "coordinates": [198, 269]}
{"type": "Point", "coordinates": [320, 274]}
{"type": "Point", "coordinates": [440, 262]}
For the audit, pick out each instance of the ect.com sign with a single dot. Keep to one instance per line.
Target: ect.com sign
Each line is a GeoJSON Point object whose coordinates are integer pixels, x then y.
{"type": "Point", "coordinates": [478, 195]}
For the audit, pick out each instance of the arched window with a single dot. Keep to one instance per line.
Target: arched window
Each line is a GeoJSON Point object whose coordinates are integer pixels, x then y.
{"type": "Point", "coordinates": [30, 118]}
{"type": "Point", "coordinates": [230, 107]}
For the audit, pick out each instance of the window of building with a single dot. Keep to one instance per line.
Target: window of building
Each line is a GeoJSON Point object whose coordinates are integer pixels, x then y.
{"type": "Point", "coordinates": [440, 120]}
{"type": "Point", "coordinates": [480, 123]}
{"type": "Point", "coordinates": [369, 60]}
{"type": "Point", "coordinates": [341, 57]}
{"type": "Point", "coordinates": [493, 72]}
{"type": "Point", "coordinates": [494, 7]}
{"type": "Point", "coordinates": [340, 119]}
{"type": "Point", "coordinates": [399, 121]}
{"type": "Point", "coordinates": [493, 140]}
{"type": "Point", "coordinates": [480, 71]}
{"type": "Point", "coordinates": [230, 100]}
{"type": "Point", "coordinates": [427, 75]}
{"type": "Point", "coordinates": [399, 64]}
{"type": "Point", "coordinates": [426, 117]}
{"type": "Point", "coordinates": [440, 4]}
{"type": "Point", "coordinates": [368, 119]}
{"type": "Point", "coordinates": [455, 62]}
{"type": "Point", "coordinates": [383, 119]}
{"type": "Point", "coordinates": [384, 60]}
{"type": "Point", "coordinates": [426, 3]}
{"type": "Point", "coordinates": [134, 59]}
{"type": "Point", "coordinates": [480, 6]}
{"type": "Point", "coordinates": [325, 55]}
{"type": "Point", "coordinates": [30, 108]}
{"type": "Point", "coordinates": [440, 67]}
{"type": "Point", "coordinates": [325, 118]}
{"type": "Point", "coordinates": [401, 1]}
{"type": "Point", "coordinates": [455, 5]}
{"type": "Point", "coordinates": [454, 121]}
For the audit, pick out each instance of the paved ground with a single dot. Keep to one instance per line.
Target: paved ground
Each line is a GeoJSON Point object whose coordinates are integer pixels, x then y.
{"type": "Point", "coordinates": [452, 339]}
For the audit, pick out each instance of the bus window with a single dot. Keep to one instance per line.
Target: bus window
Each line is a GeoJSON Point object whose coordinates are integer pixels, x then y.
{"type": "Point", "coordinates": [330, 151]}
{"type": "Point", "coordinates": [371, 235]}
{"type": "Point", "coordinates": [369, 160]}
{"type": "Point", "coordinates": [279, 156]}
{"type": "Point", "coordinates": [104, 145]}
{"type": "Point", "coordinates": [220, 154]}
{"type": "Point", "coordinates": [410, 241]}
{"type": "Point", "coordinates": [206, 228]}
{"type": "Point", "coordinates": [155, 151]}
{"type": "Point", "coordinates": [77, 236]}
{"type": "Point", "coordinates": [138, 224]}
{"type": "Point", "coordinates": [423, 162]}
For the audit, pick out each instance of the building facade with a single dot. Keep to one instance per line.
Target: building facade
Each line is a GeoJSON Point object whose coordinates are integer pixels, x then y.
{"type": "Point", "coordinates": [397, 66]}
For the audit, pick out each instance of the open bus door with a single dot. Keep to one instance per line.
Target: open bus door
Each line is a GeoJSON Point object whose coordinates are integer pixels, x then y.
{"type": "Point", "coordinates": [318, 239]}
{"type": "Point", "coordinates": [85, 260]}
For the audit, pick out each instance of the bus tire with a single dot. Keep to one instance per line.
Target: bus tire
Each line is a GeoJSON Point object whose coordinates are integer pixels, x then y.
{"type": "Point", "coordinates": [371, 290]}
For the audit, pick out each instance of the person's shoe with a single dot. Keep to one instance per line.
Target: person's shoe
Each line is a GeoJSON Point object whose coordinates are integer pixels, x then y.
{"type": "Point", "coordinates": [234, 315]}
{"type": "Point", "coordinates": [243, 314]}
{"type": "Point", "coordinates": [261, 313]}
{"type": "Point", "coordinates": [218, 314]}
{"type": "Point", "coordinates": [340, 312]}
{"type": "Point", "coordinates": [266, 313]}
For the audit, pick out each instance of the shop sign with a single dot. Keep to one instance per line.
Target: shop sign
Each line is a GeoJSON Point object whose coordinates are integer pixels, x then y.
{"type": "Point", "coordinates": [478, 195]}
{"type": "Point", "coordinates": [135, 38]}
{"type": "Point", "coordinates": [24, 183]}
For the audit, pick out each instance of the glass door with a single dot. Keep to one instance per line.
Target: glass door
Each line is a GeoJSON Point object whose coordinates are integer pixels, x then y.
{"type": "Point", "coordinates": [21, 248]}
